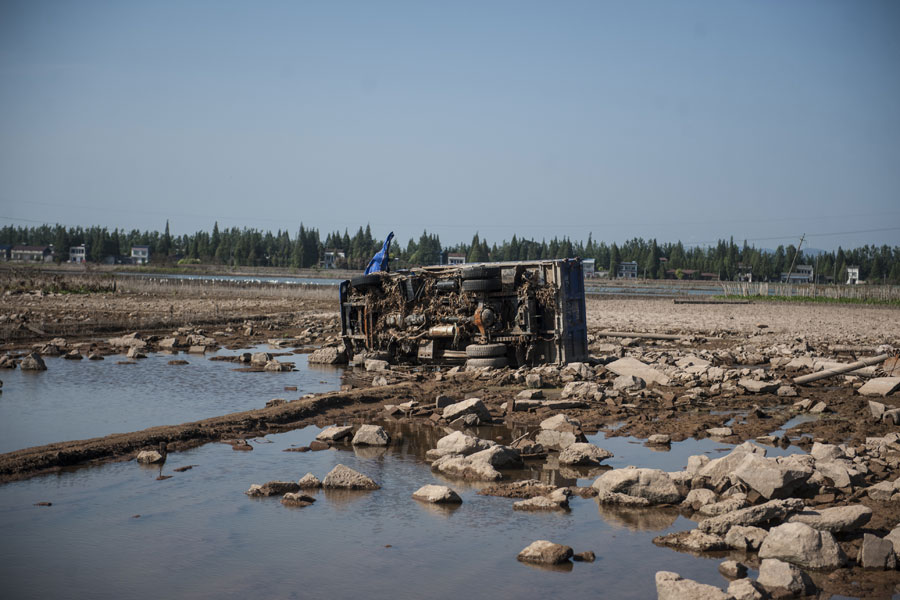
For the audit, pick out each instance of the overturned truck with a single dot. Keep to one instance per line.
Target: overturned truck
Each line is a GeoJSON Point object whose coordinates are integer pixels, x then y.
{"type": "Point", "coordinates": [485, 315]}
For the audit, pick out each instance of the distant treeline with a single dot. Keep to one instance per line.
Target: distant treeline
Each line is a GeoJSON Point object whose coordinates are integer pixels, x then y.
{"type": "Point", "coordinates": [305, 249]}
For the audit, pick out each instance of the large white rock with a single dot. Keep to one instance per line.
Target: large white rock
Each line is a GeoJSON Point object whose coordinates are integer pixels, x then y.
{"type": "Point", "coordinates": [876, 553]}
{"type": "Point", "coordinates": [557, 440]}
{"type": "Point", "coordinates": [499, 457]}
{"type": "Point", "coordinates": [754, 386]}
{"type": "Point", "coordinates": [672, 586]}
{"type": "Point", "coordinates": [775, 575]}
{"type": "Point", "coordinates": [769, 478]}
{"type": "Point", "coordinates": [800, 544]}
{"type": "Point", "coordinates": [346, 478]}
{"type": "Point", "coordinates": [459, 443]}
{"type": "Point", "coordinates": [473, 406]}
{"type": "Point", "coordinates": [437, 494]}
{"type": "Point", "coordinates": [582, 453]}
{"type": "Point", "coordinates": [880, 386]}
{"type": "Point", "coordinates": [371, 435]}
{"type": "Point", "coordinates": [545, 552]}
{"type": "Point", "coordinates": [836, 519]}
{"type": "Point", "coordinates": [148, 457]}
{"type": "Point", "coordinates": [745, 538]}
{"type": "Point", "coordinates": [632, 366]}
{"type": "Point", "coordinates": [752, 515]}
{"type": "Point", "coordinates": [719, 469]}
{"type": "Point", "coordinates": [560, 422]}
{"type": "Point", "coordinates": [653, 484]}
{"type": "Point", "coordinates": [455, 465]}
{"type": "Point", "coordinates": [335, 433]}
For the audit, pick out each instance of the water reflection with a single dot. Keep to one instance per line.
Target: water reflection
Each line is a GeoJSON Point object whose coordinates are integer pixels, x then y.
{"type": "Point", "coordinates": [638, 519]}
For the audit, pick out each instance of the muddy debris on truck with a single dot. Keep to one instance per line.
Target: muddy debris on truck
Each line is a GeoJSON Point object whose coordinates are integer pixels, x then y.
{"type": "Point", "coordinates": [482, 315]}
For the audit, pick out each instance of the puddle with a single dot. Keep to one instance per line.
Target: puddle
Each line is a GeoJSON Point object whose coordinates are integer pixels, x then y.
{"type": "Point", "coordinates": [82, 399]}
{"type": "Point", "coordinates": [199, 536]}
{"type": "Point", "coordinates": [793, 423]}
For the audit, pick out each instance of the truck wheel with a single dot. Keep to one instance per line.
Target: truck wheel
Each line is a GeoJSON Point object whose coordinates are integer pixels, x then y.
{"type": "Point", "coordinates": [485, 350]}
{"type": "Point", "coordinates": [480, 273]}
{"type": "Point", "coordinates": [495, 362]}
{"type": "Point", "coordinates": [481, 285]}
{"type": "Point", "coordinates": [366, 281]}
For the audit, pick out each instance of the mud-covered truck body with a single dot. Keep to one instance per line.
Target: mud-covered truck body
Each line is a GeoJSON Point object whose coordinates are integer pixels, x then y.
{"type": "Point", "coordinates": [489, 314]}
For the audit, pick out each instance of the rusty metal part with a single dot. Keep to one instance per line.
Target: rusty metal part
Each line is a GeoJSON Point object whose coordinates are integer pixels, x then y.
{"type": "Point", "coordinates": [478, 322]}
{"type": "Point", "coordinates": [442, 331]}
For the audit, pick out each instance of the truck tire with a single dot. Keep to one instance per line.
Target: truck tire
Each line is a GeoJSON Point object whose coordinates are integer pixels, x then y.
{"type": "Point", "coordinates": [495, 362]}
{"type": "Point", "coordinates": [480, 273]}
{"type": "Point", "coordinates": [366, 281]}
{"type": "Point", "coordinates": [481, 285]}
{"type": "Point", "coordinates": [485, 350]}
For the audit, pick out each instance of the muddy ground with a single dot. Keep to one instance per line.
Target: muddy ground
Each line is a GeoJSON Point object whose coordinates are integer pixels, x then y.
{"type": "Point", "coordinates": [722, 346]}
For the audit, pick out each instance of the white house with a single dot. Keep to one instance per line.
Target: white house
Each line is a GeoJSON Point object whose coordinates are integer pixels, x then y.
{"type": "Point", "coordinates": [331, 258]}
{"type": "Point", "coordinates": [802, 274]}
{"type": "Point", "coordinates": [588, 266]}
{"type": "Point", "coordinates": [140, 255]}
{"type": "Point", "coordinates": [78, 254]}
{"type": "Point", "coordinates": [456, 258]}
{"type": "Point", "coordinates": [852, 275]}
{"type": "Point", "coordinates": [627, 270]}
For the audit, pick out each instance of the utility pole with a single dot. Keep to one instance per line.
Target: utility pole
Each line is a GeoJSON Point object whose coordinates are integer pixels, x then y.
{"type": "Point", "coordinates": [796, 254]}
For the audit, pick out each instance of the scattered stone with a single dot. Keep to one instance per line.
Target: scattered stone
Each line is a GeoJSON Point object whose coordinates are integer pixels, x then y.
{"type": "Point", "coordinates": [317, 445]}
{"type": "Point", "coordinates": [755, 386]}
{"type": "Point", "coordinates": [660, 439]}
{"type": "Point", "coordinates": [752, 515]}
{"type": "Point", "coordinates": [376, 365]}
{"type": "Point", "coordinates": [818, 408]}
{"type": "Point", "coordinates": [604, 497]}
{"type": "Point", "coordinates": [672, 586]}
{"type": "Point", "coordinates": [786, 391]}
{"type": "Point", "coordinates": [652, 484]}
{"type": "Point", "coordinates": [745, 538]}
{"type": "Point", "coordinates": [328, 356]}
{"type": "Point", "coordinates": [465, 467]}
{"type": "Point", "coordinates": [693, 540]}
{"type": "Point", "coordinates": [745, 589]}
{"type": "Point", "coordinates": [582, 453]}
{"type": "Point", "coordinates": [260, 359]}
{"type": "Point", "coordinates": [471, 406]}
{"type": "Point", "coordinates": [770, 478]}
{"type": "Point", "coordinates": [459, 443]}
{"type": "Point", "coordinates": [876, 553]}
{"type": "Point", "coordinates": [177, 362]}
{"type": "Point", "coordinates": [634, 367]}
{"type": "Point", "coordinates": [33, 362]}
{"type": "Point", "coordinates": [779, 576]}
{"type": "Point", "coordinates": [335, 433]}
{"type": "Point", "coordinates": [135, 353]}
{"type": "Point", "coordinates": [733, 569]}
{"type": "Point", "coordinates": [346, 478]}
{"type": "Point", "coordinates": [309, 481]}
{"type": "Point", "coordinates": [628, 383]}
{"type": "Point", "coordinates": [880, 386]}
{"type": "Point", "coordinates": [443, 401]}
{"type": "Point", "coordinates": [719, 432]}
{"type": "Point", "coordinates": [437, 494]}
{"type": "Point", "coordinates": [800, 544]}
{"type": "Point", "coordinates": [296, 499]}
{"type": "Point", "coordinates": [272, 488]}
{"type": "Point", "coordinates": [538, 503]}
{"type": "Point", "coordinates": [371, 435]}
{"type": "Point", "coordinates": [546, 553]}
{"type": "Point", "coordinates": [149, 457]}
{"type": "Point", "coordinates": [836, 519]}
{"type": "Point", "coordinates": [586, 556]}
{"type": "Point", "coordinates": [698, 498]}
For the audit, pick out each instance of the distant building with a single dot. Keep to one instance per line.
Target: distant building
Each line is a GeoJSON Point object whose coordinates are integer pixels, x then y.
{"type": "Point", "coordinates": [32, 253]}
{"type": "Point", "coordinates": [5, 251]}
{"type": "Point", "coordinates": [803, 274]}
{"type": "Point", "coordinates": [627, 270]}
{"type": "Point", "coordinates": [709, 276]}
{"type": "Point", "coordinates": [78, 254]}
{"type": "Point", "coordinates": [745, 273]}
{"type": "Point", "coordinates": [456, 258]}
{"type": "Point", "coordinates": [852, 275]}
{"type": "Point", "coordinates": [588, 266]}
{"type": "Point", "coordinates": [332, 257]}
{"type": "Point", "coordinates": [140, 255]}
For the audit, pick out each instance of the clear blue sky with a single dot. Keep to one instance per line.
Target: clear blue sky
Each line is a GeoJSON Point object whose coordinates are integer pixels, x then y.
{"type": "Point", "coordinates": [688, 120]}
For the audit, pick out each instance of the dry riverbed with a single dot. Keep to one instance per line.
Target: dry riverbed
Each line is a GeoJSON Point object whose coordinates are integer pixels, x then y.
{"type": "Point", "coordinates": [823, 520]}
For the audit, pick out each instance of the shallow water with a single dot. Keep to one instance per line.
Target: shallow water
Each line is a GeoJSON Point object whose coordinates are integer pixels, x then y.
{"type": "Point", "coordinates": [199, 536]}
{"type": "Point", "coordinates": [79, 399]}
